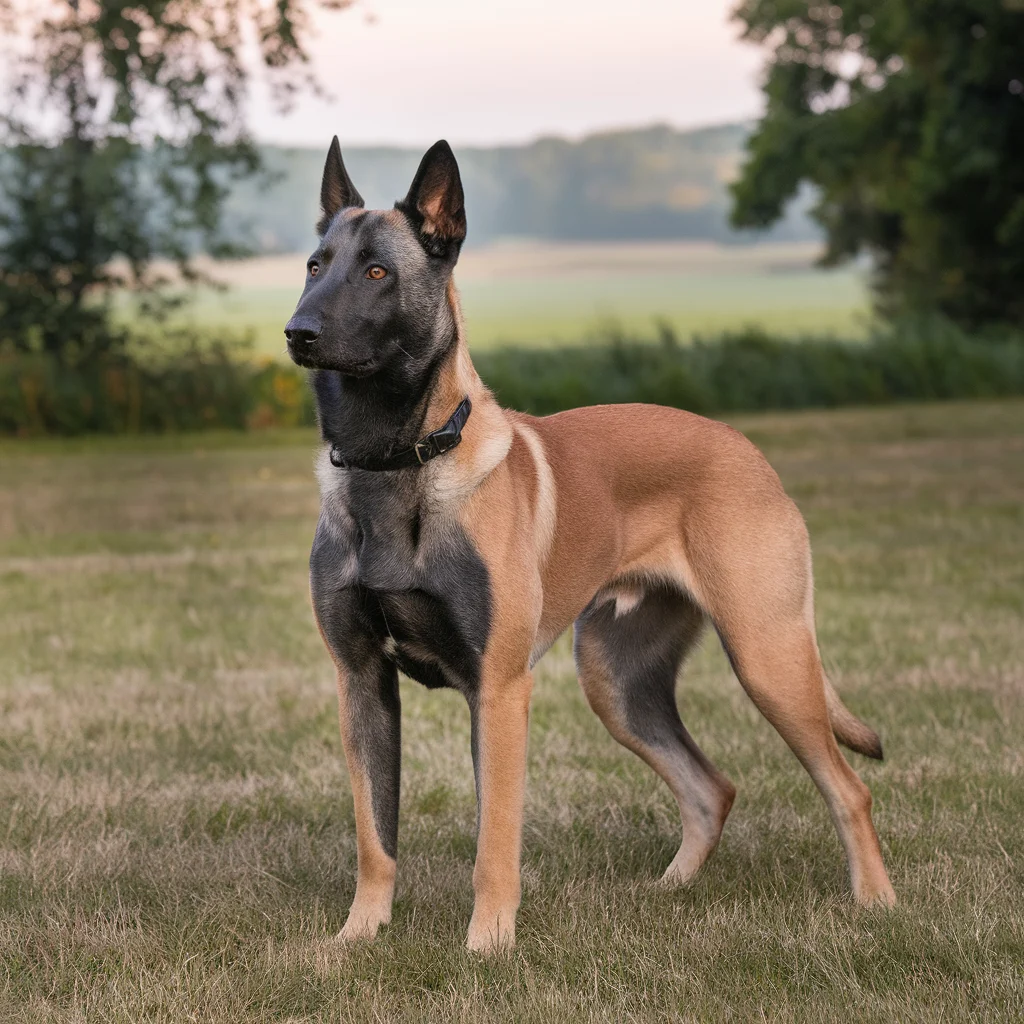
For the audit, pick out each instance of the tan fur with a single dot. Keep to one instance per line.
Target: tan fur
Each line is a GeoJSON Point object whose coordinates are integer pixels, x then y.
{"type": "Point", "coordinates": [431, 210]}
{"type": "Point", "coordinates": [375, 870]}
{"type": "Point", "coordinates": [375, 879]}
{"type": "Point", "coordinates": [850, 730]}
{"type": "Point", "coordinates": [545, 498]}
{"type": "Point", "coordinates": [436, 216]}
{"type": "Point", "coordinates": [601, 502]}
{"type": "Point", "coordinates": [488, 435]}
{"type": "Point", "coordinates": [503, 715]}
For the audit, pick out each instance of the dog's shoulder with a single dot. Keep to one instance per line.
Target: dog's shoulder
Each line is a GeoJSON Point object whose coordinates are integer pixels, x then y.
{"type": "Point", "coordinates": [486, 441]}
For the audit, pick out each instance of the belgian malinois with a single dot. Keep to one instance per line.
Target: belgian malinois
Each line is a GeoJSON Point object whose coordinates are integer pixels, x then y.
{"type": "Point", "coordinates": [457, 540]}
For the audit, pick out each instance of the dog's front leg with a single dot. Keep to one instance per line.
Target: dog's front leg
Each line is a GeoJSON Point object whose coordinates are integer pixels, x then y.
{"type": "Point", "coordinates": [500, 723]}
{"type": "Point", "coordinates": [370, 711]}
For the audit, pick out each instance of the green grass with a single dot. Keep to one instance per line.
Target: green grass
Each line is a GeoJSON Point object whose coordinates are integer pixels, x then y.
{"type": "Point", "coordinates": [542, 311]}
{"type": "Point", "coordinates": [176, 833]}
{"type": "Point", "coordinates": [537, 294]}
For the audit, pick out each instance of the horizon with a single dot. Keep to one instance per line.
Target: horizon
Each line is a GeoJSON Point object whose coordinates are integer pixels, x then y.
{"type": "Point", "coordinates": [524, 143]}
{"type": "Point", "coordinates": [400, 73]}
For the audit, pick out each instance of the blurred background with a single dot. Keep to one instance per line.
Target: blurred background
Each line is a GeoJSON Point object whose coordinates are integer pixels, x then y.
{"type": "Point", "coordinates": [760, 210]}
{"type": "Point", "coordinates": [748, 175]}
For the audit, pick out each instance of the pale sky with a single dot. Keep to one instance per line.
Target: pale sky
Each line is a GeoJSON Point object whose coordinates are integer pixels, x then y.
{"type": "Point", "coordinates": [489, 71]}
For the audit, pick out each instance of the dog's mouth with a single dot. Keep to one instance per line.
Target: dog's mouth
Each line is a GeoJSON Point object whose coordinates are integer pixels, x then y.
{"type": "Point", "coordinates": [363, 368]}
{"type": "Point", "coordinates": [357, 368]}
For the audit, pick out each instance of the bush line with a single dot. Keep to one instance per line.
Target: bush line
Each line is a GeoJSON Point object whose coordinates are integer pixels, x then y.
{"type": "Point", "coordinates": [744, 370]}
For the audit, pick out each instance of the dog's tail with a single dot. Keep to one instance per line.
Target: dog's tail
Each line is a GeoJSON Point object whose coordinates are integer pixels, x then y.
{"type": "Point", "coordinates": [849, 729]}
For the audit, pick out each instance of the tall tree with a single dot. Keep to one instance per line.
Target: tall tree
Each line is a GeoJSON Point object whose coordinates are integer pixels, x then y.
{"type": "Point", "coordinates": [122, 130]}
{"type": "Point", "coordinates": [908, 118]}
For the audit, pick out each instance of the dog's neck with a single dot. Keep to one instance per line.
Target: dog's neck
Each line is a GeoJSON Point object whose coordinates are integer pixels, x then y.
{"type": "Point", "coordinates": [388, 412]}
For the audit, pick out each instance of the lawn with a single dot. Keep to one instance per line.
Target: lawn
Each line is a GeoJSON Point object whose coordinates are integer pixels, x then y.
{"type": "Point", "coordinates": [176, 833]}
{"type": "Point", "coordinates": [537, 294]}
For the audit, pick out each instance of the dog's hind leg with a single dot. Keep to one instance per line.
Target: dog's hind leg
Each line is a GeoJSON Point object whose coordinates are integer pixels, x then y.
{"type": "Point", "coordinates": [753, 577]}
{"type": "Point", "coordinates": [780, 669]}
{"type": "Point", "coordinates": [627, 657]}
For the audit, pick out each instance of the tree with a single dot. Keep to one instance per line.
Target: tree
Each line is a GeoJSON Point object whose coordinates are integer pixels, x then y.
{"type": "Point", "coordinates": [123, 130]}
{"type": "Point", "coordinates": [908, 118]}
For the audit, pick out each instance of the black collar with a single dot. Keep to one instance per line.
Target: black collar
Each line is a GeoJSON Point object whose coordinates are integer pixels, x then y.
{"type": "Point", "coordinates": [437, 442]}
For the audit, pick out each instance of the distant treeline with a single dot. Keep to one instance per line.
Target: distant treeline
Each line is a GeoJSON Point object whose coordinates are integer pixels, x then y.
{"type": "Point", "coordinates": [736, 371]}
{"type": "Point", "coordinates": [652, 183]}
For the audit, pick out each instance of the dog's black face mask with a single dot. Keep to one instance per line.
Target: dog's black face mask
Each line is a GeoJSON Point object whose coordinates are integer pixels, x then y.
{"type": "Point", "coordinates": [374, 301]}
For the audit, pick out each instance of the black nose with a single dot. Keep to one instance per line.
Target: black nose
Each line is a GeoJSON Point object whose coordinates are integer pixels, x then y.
{"type": "Point", "coordinates": [302, 328]}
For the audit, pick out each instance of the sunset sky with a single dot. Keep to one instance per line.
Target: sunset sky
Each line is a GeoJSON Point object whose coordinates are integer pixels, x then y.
{"type": "Point", "coordinates": [486, 71]}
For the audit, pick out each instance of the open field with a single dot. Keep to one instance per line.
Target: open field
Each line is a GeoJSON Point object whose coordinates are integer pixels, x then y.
{"type": "Point", "coordinates": [534, 293]}
{"type": "Point", "coordinates": [176, 834]}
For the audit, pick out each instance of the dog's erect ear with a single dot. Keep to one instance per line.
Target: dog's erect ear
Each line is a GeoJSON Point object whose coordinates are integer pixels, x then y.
{"type": "Point", "coordinates": [336, 190]}
{"type": "Point", "coordinates": [435, 204]}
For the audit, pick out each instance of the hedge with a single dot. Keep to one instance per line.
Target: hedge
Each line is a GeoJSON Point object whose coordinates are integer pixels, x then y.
{"type": "Point", "coordinates": [744, 370]}
{"type": "Point", "coordinates": [751, 370]}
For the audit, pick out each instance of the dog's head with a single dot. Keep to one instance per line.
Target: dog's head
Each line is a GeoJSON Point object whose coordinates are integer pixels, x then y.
{"type": "Point", "coordinates": [375, 294]}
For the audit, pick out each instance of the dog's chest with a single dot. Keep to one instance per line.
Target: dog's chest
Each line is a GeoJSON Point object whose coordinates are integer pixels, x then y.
{"type": "Point", "coordinates": [392, 582]}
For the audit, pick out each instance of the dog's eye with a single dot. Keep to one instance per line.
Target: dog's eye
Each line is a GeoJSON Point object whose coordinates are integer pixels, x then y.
{"type": "Point", "coordinates": [376, 273]}
{"type": "Point", "coordinates": [314, 269]}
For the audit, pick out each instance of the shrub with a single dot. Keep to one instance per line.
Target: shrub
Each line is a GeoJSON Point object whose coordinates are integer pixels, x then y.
{"type": "Point", "coordinates": [180, 384]}
{"type": "Point", "coordinates": [750, 370]}
{"type": "Point", "coordinates": [186, 385]}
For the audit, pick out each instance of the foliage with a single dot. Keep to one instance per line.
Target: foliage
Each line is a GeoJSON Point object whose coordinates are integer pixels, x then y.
{"type": "Point", "coordinates": [123, 129]}
{"type": "Point", "coordinates": [908, 117]}
{"type": "Point", "coordinates": [182, 384]}
{"type": "Point", "coordinates": [751, 369]}
{"type": "Point", "coordinates": [186, 384]}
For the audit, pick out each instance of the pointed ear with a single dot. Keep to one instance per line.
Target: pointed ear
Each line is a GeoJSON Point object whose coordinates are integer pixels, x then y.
{"type": "Point", "coordinates": [336, 189]}
{"type": "Point", "coordinates": [435, 204]}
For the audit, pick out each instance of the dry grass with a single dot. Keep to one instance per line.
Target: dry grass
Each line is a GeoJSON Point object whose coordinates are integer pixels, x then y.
{"type": "Point", "coordinates": [176, 829]}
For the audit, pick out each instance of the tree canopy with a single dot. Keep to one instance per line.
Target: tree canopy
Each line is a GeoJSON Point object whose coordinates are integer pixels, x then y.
{"type": "Point", "coordinates": [122, 129]}
{"type": "Point", "coordinates": [908, 118]}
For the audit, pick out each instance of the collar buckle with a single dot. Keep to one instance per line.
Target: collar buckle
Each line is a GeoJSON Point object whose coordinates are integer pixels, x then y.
{"type": "Point", "coordinates": [424, 451]}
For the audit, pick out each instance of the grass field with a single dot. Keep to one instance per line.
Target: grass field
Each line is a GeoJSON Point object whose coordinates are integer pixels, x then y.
{"type": "Point", "coordinates": [176, 834]}
{"type": "Point", "coordinates": [535, 294]}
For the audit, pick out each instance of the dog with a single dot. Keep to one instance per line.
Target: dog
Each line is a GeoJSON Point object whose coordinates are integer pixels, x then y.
{"type": "Point", "coordinates": [457, 540]}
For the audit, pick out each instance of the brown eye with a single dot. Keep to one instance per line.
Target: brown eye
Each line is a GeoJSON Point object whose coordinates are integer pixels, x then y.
{"type": "Point", "coordinates": [376, 273]}
{"type": "Point", "coordinates": [314, 269]}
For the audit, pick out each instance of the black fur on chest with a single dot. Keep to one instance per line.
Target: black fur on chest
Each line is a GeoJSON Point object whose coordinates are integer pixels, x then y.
{"type": "Point", "coordinates": [392, 581]}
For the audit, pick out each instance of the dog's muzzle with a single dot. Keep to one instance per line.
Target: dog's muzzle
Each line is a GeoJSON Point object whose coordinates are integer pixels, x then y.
{"type": "Point", "coordinates": [303, 330]}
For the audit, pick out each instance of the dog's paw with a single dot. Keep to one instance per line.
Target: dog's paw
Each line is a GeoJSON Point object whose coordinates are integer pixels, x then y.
{"type": "Point", "coordinates": [881, 897]}
{"type": "Point", "coordinates": [684, 867]}
{"type": "Point", "coordinates": [491, 936]}
{"type": "Point", "coordinates": [361, 927]}
{"type": "Point", "coordinates": [690, 858]}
